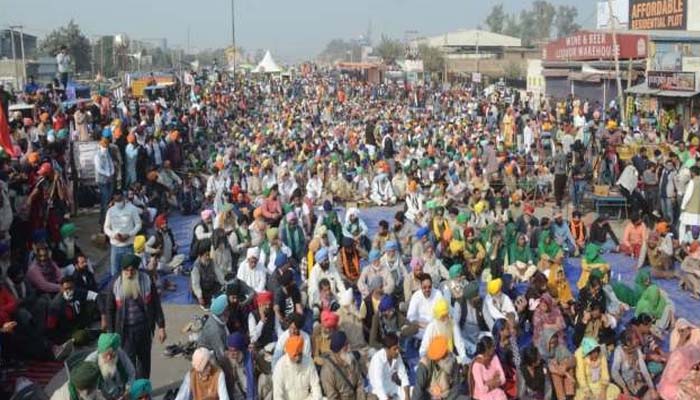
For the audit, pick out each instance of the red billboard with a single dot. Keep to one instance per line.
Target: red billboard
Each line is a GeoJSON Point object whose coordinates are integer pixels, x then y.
{"type": "Point", "coordinates": [588, 46]}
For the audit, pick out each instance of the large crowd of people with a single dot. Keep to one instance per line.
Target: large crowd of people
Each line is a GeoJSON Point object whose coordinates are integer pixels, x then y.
{"type": "Point", "coordinates": [463, 293]}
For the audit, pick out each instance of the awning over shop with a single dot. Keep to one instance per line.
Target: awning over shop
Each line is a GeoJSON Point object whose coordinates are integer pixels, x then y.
{"type": "Point", "coordinates": [676, 93]}
{"type": "Point", "coordinates": [642, 89]}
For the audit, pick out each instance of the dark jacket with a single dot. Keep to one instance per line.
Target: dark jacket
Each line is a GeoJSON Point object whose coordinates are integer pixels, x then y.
{"type": "Point", "coordinates": [150, 301]}
{"type": "Point", "coordinates": [599, 233]}
{"type": "Point", "coordinates": [424, 373]}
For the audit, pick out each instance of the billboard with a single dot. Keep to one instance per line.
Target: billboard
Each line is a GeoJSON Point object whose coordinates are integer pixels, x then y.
{"type": "Point", "coordinates": [668, 80]}
{"type": "Point", "coordinates": [658, 14]}
{"type": "Point", "coordinates": [584, 45]}
{"type": "Point", "coordinates": [620, 14]}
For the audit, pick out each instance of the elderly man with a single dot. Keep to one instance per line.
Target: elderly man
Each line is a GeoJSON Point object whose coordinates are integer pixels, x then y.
{"type": "Point", "coordinates": [375, 269]}
{"type": "Point", "coordinates": [321, 336]}
{"type": "Point", "coordinates": [133, 310]}
{"type": "Point", "coordinates": [391, 259]}
{"type": "Point", "coordinates": [444, 325]}
{"type": "Point", "coordinates": [82, 384]}
{"type": "Point", "coordinates": [207, 280]}
{"type": "Point", "coordinates": [382, 190]}
{"type": "Point", "coordinates": [438, 375]}
{"type": "Point", "coordinates": [385, 364]}
{"type": "Point", "coordinates": [214, 332]}
{"type": "Point", "coordinates": [356, 229]}
{"type": "Point", "coordinates": [263, 325]}
{"type": "Point", "coordinates": [324, 270]}
{"type": "Point", "coordinates": [238, 367]}
{"type": "Point", "coordinates": [202, 231]}
{"type": "Point", "coordinates": [422, 304]}
{"type": "Point", "coordinates": [341, 377]}
{"type": "Point", "coordinates": [122, 224]}
{"type": "Point", "coordinates": [204, 381]}
{"type": "Point", "coordinates": [295, 326]}
{"type": "Point", "coordinates": [294, 377]}
{"type": "Point", "coordinates": [116, 370]}
{"type": "Point", "coordinates": [292, 235]}
{"type": "Point", "coordinates": [251, 271]}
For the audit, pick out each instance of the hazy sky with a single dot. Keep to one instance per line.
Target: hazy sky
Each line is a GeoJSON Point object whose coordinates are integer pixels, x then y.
{"type": "Point", "coordinates": [291, 29]}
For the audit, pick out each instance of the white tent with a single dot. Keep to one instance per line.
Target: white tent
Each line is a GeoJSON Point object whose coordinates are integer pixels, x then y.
{"type": "Point", "coordinates": [267, 65]}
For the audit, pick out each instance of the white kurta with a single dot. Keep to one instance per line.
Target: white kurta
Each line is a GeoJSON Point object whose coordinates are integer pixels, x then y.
{"type": "Point", "coordinates": [492, 311]}
{"type": "Point", "coordinates": [380, 373]}
{"type": "Point", "coordinates": [255, 278]}
{"type": "Point", "coordinates": [420, 309]}
{"type": "Point", "coordinates": [292, 381]}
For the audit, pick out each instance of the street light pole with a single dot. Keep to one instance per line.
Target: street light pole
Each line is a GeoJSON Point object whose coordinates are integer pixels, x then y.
{"type": "Point", "coordinates": [14, 57]}
{"type": "Point", "coordinates": [233, 35]}
{"type": "Point", "coordinates": [620, 94]}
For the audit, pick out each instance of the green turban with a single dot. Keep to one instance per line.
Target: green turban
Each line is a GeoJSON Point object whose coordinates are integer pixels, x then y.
{"type": "Point", "coordinates": [462, 217]}
{"type": "Point", "coordinates": [471, 290]}
{"type": "Point", "coordinates": [140, 388]}
{"type": "Point", "coordinates": [68, 230]}
{"type": "Point", "coordinates": [431, 204]}
{"type": "Point", "coordinates": [85, 375]}
{"type": "Point", "coordinates": [266, 192]}
{"type": "Point", "coordinates": [130, 260]}
{"type": "Point", "coordinates": [108, 341]}
{"type": "Point", "coordinates": [456, 271]}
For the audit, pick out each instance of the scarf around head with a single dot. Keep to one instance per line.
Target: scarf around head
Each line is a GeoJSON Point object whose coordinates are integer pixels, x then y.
{"type": "Point", "coordinates": [652, 302]}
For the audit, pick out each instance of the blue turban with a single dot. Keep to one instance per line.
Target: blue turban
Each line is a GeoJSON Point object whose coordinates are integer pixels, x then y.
{"type": "Point", "coordinates": [422, 232]}
{"type": "Point", "coordinates": [321, 255]}
{"type": "Point", "coordinates": [391, 245]}
{"type": "Point", "coordinates": [219, 304]}
{"type": "Point", "coordinates": [236, 341]}
{"type": "Point", "coordinates": [338, 340]}
{"type": "Point", "coordinates": [374, 255]}
{"type": "Point", "coordinates": [281, 259]}
{"type": "Point", "coordinates": [386, 303]}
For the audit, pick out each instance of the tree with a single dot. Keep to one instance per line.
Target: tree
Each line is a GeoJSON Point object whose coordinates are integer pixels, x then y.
{"type": "Point", "coordinates": [543, 14]}
{"type": "Point", "coordinates": [565, 21]}
{"type": "Point", "coordinates": [77, 43]}
{"type": "Point", "coordinates": [339, 49]}
{"type": "Point", "coordinates": [433, 59]}
{"type": "Point", "coordinates": [496, 19]}
{"type": "Point", "coordinates": [513, 70]}
{"type": "Point", "coordinates": [389, 49]}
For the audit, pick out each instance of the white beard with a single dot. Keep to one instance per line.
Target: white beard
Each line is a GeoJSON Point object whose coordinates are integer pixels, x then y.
{"type": "Point", "coordinates": [130, 288]}
{"type": "Point", "coordinates": [108, 369]}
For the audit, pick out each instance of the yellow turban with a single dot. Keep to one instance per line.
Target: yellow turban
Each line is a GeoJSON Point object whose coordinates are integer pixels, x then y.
{"type": "Point", "coordinates": [480, 207]}
{"type": "Point", "coordinates": [139, 244]}
{"type": "Point", "coordinates": [441, 308]}
{"type": "Point", "coordinates": [494, 286]}
{"type": "Point", "coordinates": [456, 246]}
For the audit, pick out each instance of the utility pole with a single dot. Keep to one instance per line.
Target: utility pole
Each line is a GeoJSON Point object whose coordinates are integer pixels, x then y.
{"type": "Point", "coordinates": [21, 46]}
{"type": "Point", "coordinates": [233, 35]}
{"type": "Point", "coordinates": [618, 79]}
{"type": "Point", "coordinates": [14, 57]}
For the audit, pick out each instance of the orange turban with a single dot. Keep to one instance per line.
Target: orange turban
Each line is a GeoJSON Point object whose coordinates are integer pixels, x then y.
{"type": "Point", "coordinates": [437, 349]}
{"type": "Point", "coordinates": [294, 346]}
{"type": "Point", "coordinates": [412, 186]}
{"type": "Point", "coordinates": [33, 157]}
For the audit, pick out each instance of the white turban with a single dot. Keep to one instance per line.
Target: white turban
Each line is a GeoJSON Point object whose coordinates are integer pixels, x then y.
{"type": "Point", "coordinates": [253, 252]}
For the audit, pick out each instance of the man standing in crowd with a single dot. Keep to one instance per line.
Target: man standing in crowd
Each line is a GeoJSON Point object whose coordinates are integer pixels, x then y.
{"type": "Point", "coordinates": [122, 224]}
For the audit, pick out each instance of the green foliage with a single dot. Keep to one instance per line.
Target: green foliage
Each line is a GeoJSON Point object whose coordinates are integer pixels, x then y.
{"type": "Point", "coordinates": [565, 21]}
{"type": "Point", "coordinates": [71, 37]}
{"type": "Point", "coordinates": [535, 24]}
{"type": "Point", "coordinates": [433, 59]}
{"type": "Point", "coordinates": [496, 20]}
{"type": "Point", "coordinates": [340, 50]}
{"type": "Point", "coordinates": [389, 49]}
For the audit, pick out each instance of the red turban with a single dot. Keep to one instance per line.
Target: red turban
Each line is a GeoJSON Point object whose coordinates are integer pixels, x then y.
{"type": "Point", "coordinates": [264, 297]}
{"type": "Point", "coordinates": [329, 319]}
{"type": "Point", "coordinates": [160, 221]}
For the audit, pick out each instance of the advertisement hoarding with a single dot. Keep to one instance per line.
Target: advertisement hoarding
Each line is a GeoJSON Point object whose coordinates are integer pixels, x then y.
{"type": "Point", "coordinates": [669, 80]}
{"type": "Point", "coordinates": [658, 14]}
{"type": "Point", "coordinates": [584, 45]}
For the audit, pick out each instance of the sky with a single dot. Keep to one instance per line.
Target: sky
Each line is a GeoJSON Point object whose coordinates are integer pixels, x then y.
{"type": "Point", "coordinates": [293, 30]}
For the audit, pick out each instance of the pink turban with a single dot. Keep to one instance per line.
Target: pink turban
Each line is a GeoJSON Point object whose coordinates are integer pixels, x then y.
{"type": "Point", "coordinates": [200, 359]}
{"type": "Point", "coordinates": [206, 214]}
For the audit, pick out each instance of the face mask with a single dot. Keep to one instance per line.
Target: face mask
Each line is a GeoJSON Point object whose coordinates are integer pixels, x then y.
{"type": "Point", "coordinates": [68, 295]}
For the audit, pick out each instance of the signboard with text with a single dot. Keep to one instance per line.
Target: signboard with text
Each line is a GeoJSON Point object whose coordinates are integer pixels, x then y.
{"type": "Point", "coordinates": [658, 14]}
{"type": "Point", "coordinates": [669, 80]}
{"type": "Point", "coordinates": [584, 45]}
